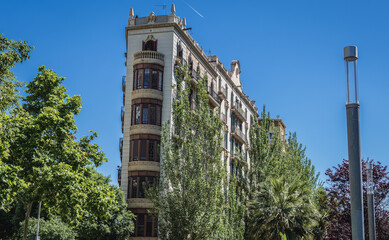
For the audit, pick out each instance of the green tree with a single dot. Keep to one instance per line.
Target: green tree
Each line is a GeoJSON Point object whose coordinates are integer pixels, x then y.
{"type": "Point", "coordinates": [281, 206]}
{"type": "Point", "coordinates": [52, 229]}
{"type": "Point", "coordinates": [192, 198]}
{"type": "Point", "coordinates": [273, 157]}
{"type": "Point", "coordinates": [51, 162]}
{"type": "Point", "coordinates": [118, 227]}
{"type": "Point", "coordinates": [11, 52]}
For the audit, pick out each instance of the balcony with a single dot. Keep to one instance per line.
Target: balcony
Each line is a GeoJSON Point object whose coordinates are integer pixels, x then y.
{"type": "Point", "coordinates": [214, 99]}
{"type": "Point", "coordinates": [238, 111]}
{"type": "Point", "coordinates": [193, 76]}
{"type": "Point", "coordinates": [122, 114]}
{"type": "Point", "coordinates": [180, 60]}
{"type": "Point", "coordinates": [120, 144]}
{"type": "Point", "coordinates": [222, 93]}
{"type": "Point", "coordinates": [123, 83]}
{"type": "Point", "coordinates": [119, 175]}
{"type": "Point", "coordinates": [238, 135]}
{"type": "Point", "coordinates": [152, 57]}
{"type": "Point", "coordinates": [124, 98]}
{"type": "Point", "coordinates": [223, 117]}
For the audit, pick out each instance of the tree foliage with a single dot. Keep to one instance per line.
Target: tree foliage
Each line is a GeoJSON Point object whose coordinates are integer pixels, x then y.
{"type": "Point", "coordinates": [296, 193]}
{"type": "Point", "coordinates": [339, 200]}
{"type": "Point", "coordinates": [192, 199]}
{"type": "Point", "coordinates": [281, 206]}
{"type": "Point", "coordinates": [11, 52]}
{"type": "Point", "coordinates": [52, 229]}
{"type": "Point", "coordinates": [40, 157]}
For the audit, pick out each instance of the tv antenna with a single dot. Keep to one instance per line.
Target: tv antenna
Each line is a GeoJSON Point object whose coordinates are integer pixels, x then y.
{"type": "Point", "coordinates": [163, 7]}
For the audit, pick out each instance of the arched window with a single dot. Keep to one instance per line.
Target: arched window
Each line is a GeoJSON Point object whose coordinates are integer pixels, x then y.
{"type": "Point", "coordinates": [151, 45]}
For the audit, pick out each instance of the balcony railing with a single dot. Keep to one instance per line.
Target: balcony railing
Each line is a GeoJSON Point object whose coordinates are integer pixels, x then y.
{"type": "Point", "coordinates": [215, 99]}
{"type": "Point", "coordinates": [223, 117]}
{"type": "Point", "coordinates": [222, 93]}
{"type": "Point", "coordinates": [122, 114]}
{"type": "Point", "coordinates": [124, 83]}
{"type": "Point", "coordinates": [119, 174]}
{"type": "Point", "coordinates": [238, 134]}
{"type": "Point", "coordinates": [148, 55]}
{"type": "Point", "coordinates": [238, 111]}
{"type": "Point", "coordinates": [120, 144]}
{"type": "Point", "coordinates": [124, 98]}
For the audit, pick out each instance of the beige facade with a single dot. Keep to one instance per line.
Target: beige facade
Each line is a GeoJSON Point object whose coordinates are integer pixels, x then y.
{"type": "Point", "coordinates": [154, 45]}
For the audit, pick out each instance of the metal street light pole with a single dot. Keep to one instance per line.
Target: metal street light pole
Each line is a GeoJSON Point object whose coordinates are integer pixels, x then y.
{"type": "Point", "coordinates": [354, 143]}
{"type": "Point", "coordinates": [370, 200]}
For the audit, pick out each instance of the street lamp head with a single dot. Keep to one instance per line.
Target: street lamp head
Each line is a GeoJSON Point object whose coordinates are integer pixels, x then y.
{"type": "Point", "coordinates": [350, 53]}
{"type": "Point", "coordinates": [350, 57]}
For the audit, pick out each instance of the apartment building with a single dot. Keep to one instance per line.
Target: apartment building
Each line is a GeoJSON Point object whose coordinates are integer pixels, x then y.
{"type": "Point", "coordinates": [155, 44]}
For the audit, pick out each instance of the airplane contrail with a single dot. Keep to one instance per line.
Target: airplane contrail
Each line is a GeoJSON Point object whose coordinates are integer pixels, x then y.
{"type": "Point", "coordinates": [193, 9]}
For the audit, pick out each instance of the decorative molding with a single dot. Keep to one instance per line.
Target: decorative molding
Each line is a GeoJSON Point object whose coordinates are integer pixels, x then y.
{"type": "Point", "coordinates": [139, 203]}
{"type": "Point", "coordinates": [143, 166]}
{"type": "Point", "coordinates": [150, 38]}
{"type": "Point", "coordinates": [147, 93]}
{"type": "Point", "coordinates": [145, 129]}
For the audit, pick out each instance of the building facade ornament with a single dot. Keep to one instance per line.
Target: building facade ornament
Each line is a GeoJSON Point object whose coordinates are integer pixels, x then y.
{"type": "Point", "coordinates": [151, 18]}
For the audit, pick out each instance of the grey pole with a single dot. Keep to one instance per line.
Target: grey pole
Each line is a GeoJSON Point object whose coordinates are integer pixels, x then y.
{"type": "Point", "coordinates": [354, 146]}
{"type": "Point", "coordinates": [37, 225]}
{"type": "Point", "coordinates": [370, 201]}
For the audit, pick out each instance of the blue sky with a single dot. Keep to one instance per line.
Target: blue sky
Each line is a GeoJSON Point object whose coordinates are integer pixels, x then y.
{"type": "Point", "coordinates": [291, 54]}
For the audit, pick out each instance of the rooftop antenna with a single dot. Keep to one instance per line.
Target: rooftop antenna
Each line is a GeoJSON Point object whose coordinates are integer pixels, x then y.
{"type": "Point", "coordinates": [163, 7]}
{"type": "Point", "coordinates": [209, 52]}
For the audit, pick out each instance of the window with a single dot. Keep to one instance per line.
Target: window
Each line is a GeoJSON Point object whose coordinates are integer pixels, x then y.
{"type": "Point", "coordinates": [139, 185]}
{"type": "Point", "coordinates": [146, 113]}
{"type": "Point", "coordinates": [150, 45]}
{"type": "Point", "coordinates": [145, 150]}
{"type": "Point", "coordinates": [148, 78]}
{"type": "Point", "coordinates": [145, 225]}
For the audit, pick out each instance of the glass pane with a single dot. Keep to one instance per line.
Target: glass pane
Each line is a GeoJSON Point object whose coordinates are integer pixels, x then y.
{"type": "Point", "coordinates": [141, 225]}
{"type": "Point", "coordinates": [134, 186]}
{"type": "Point", "coordinates": [142, 185]}
{"type": "Point", "coordinates": [153, 117]}
{"type": "Point", "coordinates": [160, 81]}
{"type": "Point", "coordinates": [149, 226]}
{"type": "Point", "coordinates": [158, 115]}
{"type": "Point", "coordinates": [155, 232]}
{"type": "Point", "coordinates": [134, 82]}
{"type": "Point", "coordinates": [140, 76]}
{"type": "Point", "coordinates": [143, 150]}
{"type": "Point", "coordinates": [145, 114]}
{"type": "Point", "coordinates": [135, 150]}
{"type": "Point", "coordinates": [151, 150]}
{"type": "Point", "coordinates": [154, 80]}
{"type": "Point", "coordinates": [137, 114]}
{"type": "Point", "coordinates": [146, 83]}
{"type": "Point", "coordinates": [158, 149]}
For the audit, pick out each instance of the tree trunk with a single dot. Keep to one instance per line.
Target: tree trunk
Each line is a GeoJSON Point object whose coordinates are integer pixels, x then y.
{"type": "Point", "coordinates": [27, 217]}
